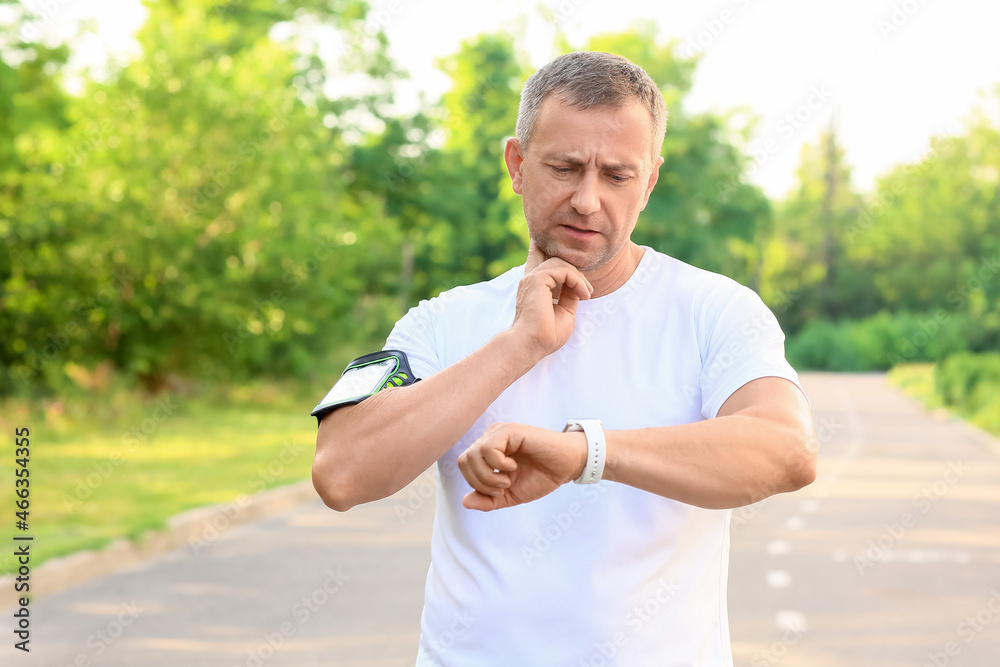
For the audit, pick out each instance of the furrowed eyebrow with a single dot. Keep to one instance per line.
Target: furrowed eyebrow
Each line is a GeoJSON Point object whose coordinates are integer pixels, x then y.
{"type": "Point", "coordinates": [621, 166]}
{"type": "Point", "coordinates": [565, 158]}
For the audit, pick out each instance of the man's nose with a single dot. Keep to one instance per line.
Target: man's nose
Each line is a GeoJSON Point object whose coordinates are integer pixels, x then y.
{"type": "Point", "coordinates": [585, 197]}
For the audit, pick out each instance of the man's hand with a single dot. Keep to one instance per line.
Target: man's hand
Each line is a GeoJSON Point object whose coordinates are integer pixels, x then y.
{"type": "Point", "coordinates": [512, 464]}
{"type": "Point", "coordinates": [547, 297]}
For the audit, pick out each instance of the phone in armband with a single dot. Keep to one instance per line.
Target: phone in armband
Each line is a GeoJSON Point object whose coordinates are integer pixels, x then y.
{"type": "Point", "coordinates": [364, 377]}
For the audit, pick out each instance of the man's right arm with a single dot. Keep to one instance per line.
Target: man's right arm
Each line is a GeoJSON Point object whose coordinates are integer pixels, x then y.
{"type": "Point", "coordinates": [368, 451]}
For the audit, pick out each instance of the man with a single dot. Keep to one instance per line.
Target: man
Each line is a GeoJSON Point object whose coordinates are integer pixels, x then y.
{"type": "Point", "coordinates": [700, 411]}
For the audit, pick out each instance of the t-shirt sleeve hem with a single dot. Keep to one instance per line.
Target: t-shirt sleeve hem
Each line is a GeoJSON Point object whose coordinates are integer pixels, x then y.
{"type": "Point", "coordinates": [711, 407]}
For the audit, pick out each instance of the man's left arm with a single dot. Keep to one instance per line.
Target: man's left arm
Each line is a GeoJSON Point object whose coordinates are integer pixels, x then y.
{"type": "Point", "coordinates": [762, 442]}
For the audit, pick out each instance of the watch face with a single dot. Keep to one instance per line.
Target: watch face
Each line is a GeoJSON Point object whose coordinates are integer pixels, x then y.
{"type": "Point", "coordinates": [361, 381]}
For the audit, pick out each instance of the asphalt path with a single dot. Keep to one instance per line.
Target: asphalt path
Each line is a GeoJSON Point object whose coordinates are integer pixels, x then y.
{"type": "Point", "coordinates": [892, 557]}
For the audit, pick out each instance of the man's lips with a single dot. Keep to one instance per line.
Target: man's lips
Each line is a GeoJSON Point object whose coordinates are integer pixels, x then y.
{"type": "Point", "coordinates": [579, 232]}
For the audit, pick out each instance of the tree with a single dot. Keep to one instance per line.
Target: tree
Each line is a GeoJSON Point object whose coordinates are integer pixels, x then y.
{"type": "Point", "coordinates": [804, 261]}
{"type": "Point", "coordinates": [198, 221]}
{"type": "Point", "coordinates": [702, 211]}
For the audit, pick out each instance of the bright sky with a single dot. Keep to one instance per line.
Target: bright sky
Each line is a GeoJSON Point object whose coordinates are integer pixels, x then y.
{"type": "Point", "coordinates": [893, 72]}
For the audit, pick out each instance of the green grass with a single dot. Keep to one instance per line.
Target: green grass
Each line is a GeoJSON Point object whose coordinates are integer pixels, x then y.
{"type": "Point", "coordinates": [117, 464]}
{"type": "Point", "coordinates": [920, 381]}
{"type": "Point", "coordinates": [917, 381]}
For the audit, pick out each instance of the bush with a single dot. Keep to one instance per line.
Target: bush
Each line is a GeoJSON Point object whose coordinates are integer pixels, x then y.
{"type": "Point", "coordinates": [969, 381]}
{"type": "Point", "coordinates": [971, 384]}
{"type": "Point", "coordinates": [885, 340]}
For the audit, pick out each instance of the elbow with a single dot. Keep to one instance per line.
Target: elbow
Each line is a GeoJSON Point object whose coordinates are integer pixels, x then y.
{"type": "Point", "coordinates": [332, 484]}
{"type": "Point", "coordinates": [800, 464]}
{"type": "Point", "coordinates": [334, 494]}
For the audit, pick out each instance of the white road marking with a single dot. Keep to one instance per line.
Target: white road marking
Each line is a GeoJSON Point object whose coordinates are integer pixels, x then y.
{"type": "Point", "coordinates": [794, 621]}
{"type": "Point", "coordinates": [795, 523]}
{"type": "Point", "coordinates": [778, 579]}
{"type": "Point", "coordinates": [778, 547]}
{"type": "Point", "coordinates": [920, 556]}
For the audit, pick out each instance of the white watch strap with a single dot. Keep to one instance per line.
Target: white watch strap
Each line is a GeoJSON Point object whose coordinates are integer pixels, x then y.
{"type": "Point", "coordinates": [594, 470]}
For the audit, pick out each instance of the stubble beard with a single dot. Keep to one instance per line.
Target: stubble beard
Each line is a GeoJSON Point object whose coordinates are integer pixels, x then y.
{"type": "Point", "coordinates": [594, 261]}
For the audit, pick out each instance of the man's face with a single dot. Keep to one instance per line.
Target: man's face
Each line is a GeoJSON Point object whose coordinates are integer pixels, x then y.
{"type": "Point", "coordinates": [584, 180]}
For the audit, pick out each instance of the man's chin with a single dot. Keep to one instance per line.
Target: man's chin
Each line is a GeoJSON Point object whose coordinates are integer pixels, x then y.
{"type": "Point", "coordinates": [583, 260]}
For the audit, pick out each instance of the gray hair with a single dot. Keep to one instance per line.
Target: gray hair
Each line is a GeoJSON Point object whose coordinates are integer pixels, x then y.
{"type": "Point", "coordinates": [586, 79]}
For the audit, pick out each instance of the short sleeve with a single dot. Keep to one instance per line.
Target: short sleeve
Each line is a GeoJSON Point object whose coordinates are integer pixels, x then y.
{"type": "Point", "coordinates": [743, 342]}
{"type": "Point", "coordinates": [414, 335]}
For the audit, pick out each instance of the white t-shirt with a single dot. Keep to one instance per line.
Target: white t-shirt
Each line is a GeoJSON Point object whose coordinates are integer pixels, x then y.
{"type": "Point", "coordinates": [601, 574]}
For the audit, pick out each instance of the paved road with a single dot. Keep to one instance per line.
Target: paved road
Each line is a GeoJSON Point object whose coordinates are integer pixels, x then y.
{"type": "Point", "coordinates": [891, 558]}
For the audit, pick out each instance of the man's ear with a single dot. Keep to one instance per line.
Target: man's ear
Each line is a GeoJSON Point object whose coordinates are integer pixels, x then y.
{"type": "Point", "coordinates": [651, 183]}
{"type": "Point", "coordinates": [514, 157]}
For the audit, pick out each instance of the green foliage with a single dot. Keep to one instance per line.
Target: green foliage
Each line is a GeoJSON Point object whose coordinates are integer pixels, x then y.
{"type": "Point", "coordinates": [886, 339]}
{"type": "Point", "coordinates": [971, 384]}
{"type": "Point", "coordinates": [219, 207]}
{"type": "Point", "coordinates": [117, 464]}
{"type": "Point", "coordinates": [192, 217]}
{"type": "Point", "coordinates": [701, 210]}
{"type": "Point", "coordinates": [927, 239]}
{"type": "Point", "coordinates": [803, 253]}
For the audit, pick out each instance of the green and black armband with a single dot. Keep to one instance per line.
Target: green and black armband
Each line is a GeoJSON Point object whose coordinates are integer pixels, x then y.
{"type": "Point", "coordinates": [364, 377]}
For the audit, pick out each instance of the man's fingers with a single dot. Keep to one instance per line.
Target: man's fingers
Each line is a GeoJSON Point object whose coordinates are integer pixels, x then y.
{"type": "Point", "coordinates": [485, 467]}
{"type": "Point", "coordinates": [497, 460]}
{"type": "Point", "coordinates": [535, 256]}
{"type": "Point", "coordinates": [580, 286]}
{"type": "Point", "coordinates": [484, 503]}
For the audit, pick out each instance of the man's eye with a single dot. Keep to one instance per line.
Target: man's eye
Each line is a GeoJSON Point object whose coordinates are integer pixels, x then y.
{"type": "Point", "coordinates": [617, 178]}
{"type": "Point", "coordinates": [561, 170]}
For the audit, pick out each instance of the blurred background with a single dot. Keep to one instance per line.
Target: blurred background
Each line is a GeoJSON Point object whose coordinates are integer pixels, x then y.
{"type": "Point", "coordinates": [207, 208]}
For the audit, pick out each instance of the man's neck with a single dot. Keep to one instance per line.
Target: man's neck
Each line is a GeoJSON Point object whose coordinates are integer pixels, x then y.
{"type": "Point", "coordinates": [615, 273]}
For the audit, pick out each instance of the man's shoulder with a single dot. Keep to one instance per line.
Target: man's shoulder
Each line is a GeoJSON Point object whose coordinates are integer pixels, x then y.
{"type": "Point", "coordinates": [686, 280]}
{"type": "Point", "coordinates": [487, 291]}
{"type": "Point", "coordinates": [465, 300]}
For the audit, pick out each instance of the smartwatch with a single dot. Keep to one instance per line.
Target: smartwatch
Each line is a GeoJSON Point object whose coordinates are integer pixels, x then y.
{"type": "Point", "coordinates": [364, 377]}
{"type": "Point", "coordinates": [593, 471]}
